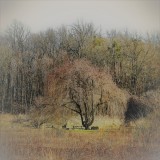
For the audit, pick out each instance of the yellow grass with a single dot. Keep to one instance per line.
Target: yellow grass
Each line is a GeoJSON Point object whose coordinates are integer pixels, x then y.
{"type": "Point", "coordinates": [26, 143]}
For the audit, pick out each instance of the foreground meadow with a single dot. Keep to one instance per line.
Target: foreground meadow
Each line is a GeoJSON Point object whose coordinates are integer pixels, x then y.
{"type": "Point", "coordinates": [18, 142]}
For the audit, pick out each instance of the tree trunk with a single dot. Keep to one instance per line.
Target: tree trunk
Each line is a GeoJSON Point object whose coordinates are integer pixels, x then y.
{"type": "Point", "coordinates": [86, 127]}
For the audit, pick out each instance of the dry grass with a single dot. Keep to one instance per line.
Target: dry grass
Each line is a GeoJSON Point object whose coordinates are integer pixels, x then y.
{"type": "Point", "coordinates": [24, 143]}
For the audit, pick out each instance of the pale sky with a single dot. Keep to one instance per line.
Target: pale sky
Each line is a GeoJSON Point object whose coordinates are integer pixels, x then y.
{"type": "Point", "coordinates": [135, 15]}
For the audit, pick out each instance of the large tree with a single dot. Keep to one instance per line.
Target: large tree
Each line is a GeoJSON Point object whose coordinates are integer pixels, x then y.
{"type": "Point", "coordinates": [85, 93]}
{"type": "Point", "coordinates": [81, 95]}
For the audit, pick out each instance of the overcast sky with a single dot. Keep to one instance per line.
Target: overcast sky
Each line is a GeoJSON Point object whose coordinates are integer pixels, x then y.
{"type": "Point", "coordinates": [134, 15]}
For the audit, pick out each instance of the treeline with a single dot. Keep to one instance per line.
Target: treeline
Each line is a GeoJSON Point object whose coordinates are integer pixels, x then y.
{"type": "Point", "coordinates": [27, 58]}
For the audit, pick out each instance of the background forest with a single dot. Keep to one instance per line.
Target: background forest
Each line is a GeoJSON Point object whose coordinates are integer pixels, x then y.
{"type": "Point", "coordinates": [27, 59]}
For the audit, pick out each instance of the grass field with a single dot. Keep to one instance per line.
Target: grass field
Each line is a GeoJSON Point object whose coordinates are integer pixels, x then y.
{"type": "Point", "coordinates": [18, 142]}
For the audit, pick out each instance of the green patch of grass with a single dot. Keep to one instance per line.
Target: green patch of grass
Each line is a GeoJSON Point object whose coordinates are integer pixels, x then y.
{"type": "Point", "coordinates": [82, 131]}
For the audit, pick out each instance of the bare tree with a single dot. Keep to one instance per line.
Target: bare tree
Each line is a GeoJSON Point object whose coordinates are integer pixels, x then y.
{"type": "Point", "coordinates": [17, 35]}
{"type": "Point", "coordinates": [80, 33]}
{"type": "Point", "coordinates": [82, 95]}
{"type": "Point", "coordinates": [5, 94]}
